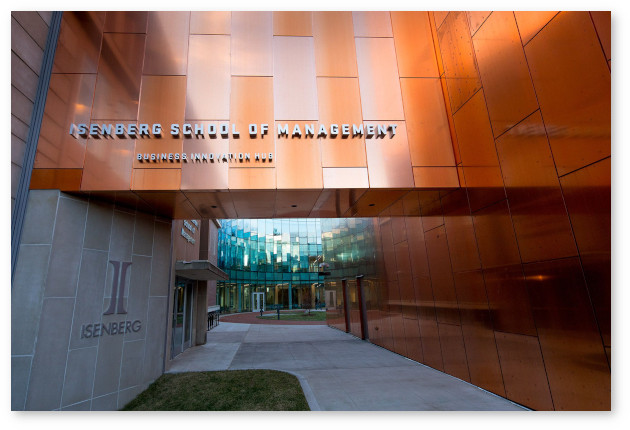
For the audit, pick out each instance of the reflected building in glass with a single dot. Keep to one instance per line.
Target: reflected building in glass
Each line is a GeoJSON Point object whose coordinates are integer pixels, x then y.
{"type": "Point", "coordinates": [270, 262]}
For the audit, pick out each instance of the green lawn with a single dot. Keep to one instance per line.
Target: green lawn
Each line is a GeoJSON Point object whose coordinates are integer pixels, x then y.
{"type": "Point", "coordinates": [298, 316]}
{"type": "Point", "coordinates": [232, 390]}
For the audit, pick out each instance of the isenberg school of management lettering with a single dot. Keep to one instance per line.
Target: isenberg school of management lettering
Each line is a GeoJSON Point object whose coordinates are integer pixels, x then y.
{"type": "Point", "coordinates": [437, 182]}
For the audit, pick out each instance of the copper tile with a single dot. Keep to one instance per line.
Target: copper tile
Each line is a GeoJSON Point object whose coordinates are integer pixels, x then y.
{"type": "Point", "coordinates": [345, 177]}
{"type": "Point", "coordinates": [167, 43]}
{"type": "Point", "coordinates": [155, 179]}
{"type": "Point", "coordinates": [79, 42]}
{"type": "Point", "coordinates": [601, 19]}
{"type": "Point", "coordinates": [460, 232]}
{"type": "Point", "coordinates": [69, 101]}
{"type": "Point", "coordinates": [442, 277]}
{"type": "Point", "coordinates": [294, 83]}
{"type": "Point", "coordinates": [205, 167]}
{"type": "Point", "coordinates": [435, 177]}
{"type": "Point", "coordinates": [506, 81]}
{"type": "Point", "coordinates": [427, 124]}
{"type": "Point", "coordinates": [251, 103]}
{"type": "Point", "coordinates": [216, 205]}
{"type": "Point", "coordinates": [252, 179]}
{"type": "Point", "coordinates": [453, 351]}
{"type": "Point", "coordinates": [295, 204]}
{"type": "Point", "coordinates": [208, 75]}
{"type": "Point", "coordinates": [333, 36]}
{"type": "Point", "coordinates": [252, 43]}
{"type": "Point", "coordinates": [476, 19]}
{"type": "Point", "coordinates": [378, 79]}
{"type": "Point", "coordinates": [462, 77]}
{"type": "Point", "coordinates": [484, 186]}
{"type": "Point", "coordinates": [292, 23]}
{"type": "Point", "coordinates": [119, 75]}
{"type": "Point", "coordinates": [162, 101]}
{"type": "Point", "coordinates": [108, 164]}
{"type": "Point", "coordinates": [372, 24]}
{"type": "Point", "coordinates": [495, 236]}
{"type": "Point", "coordinates": [60, 179]}
{"type": "Point", "coordinates": [389, 163]}
{"type": "Point", "coordinates": [126, 22]}
{"type": "Point", "coordinates": [530, 23]}
{"type": "Point", "coordinates": [215, 22]}
{"type": "Point", "coordinates": [474, 133]}
{"type": "Point", "coordinates": [562, 58]}
{"type": "Point", "coordinates": [290, 171]}
{"type": "Point", "coordinates": [249, 204]}
{"type": "Point", "coordinates": [340, 103]}
{"type": "Point", "coordinates": [415, 51]}
{"type": "Point", "coordinates": [543, 230]}
{"type": "Point", "coordinates": [523, 371]}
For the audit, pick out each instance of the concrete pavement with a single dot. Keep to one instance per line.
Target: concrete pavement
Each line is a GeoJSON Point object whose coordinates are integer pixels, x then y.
{"type": "Point", "coordinates": [338, 371]}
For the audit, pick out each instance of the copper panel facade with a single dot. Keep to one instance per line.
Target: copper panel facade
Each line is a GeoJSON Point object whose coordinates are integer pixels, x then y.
{"type": "Point", "coordinates": [215, 22]}
{"type": "Point", "coordinates": [212, 205]}
{"type": "Point", "coordinates": [340, 103]}
{"type": "Point", "coordinates": [333, 36]}
{"type": "Point", "coordinates": [507, 84]}
{"type": "Point", "coordinates": [538, 212]}
{"type": "Point", "coordinates": [335, 203]}
{"type": "Point", "coordinates": [119, 73]}
{"type": "Point", "coordinates": [156, 179]}
{"type": "Point", "coordinates": [251, 204]}
{"type": "Point", "coordinates": [435, 177]}
{"type": "Point", "coordinates": [476, 20]}
{"type": "Point", "coordinates": [444, 294]}
{"type": "Point", "coordinates": [495, 236]}
{"type": "Point", "coordinates": [290, 173]}
{"type": "Point", "coordinates": [345, 177]}
{"type": "Point", "coordinates": [126, 22]}
{"type": "Point", "coordinates": [251, 178]}
{"type": "Point", "coordinates": [568, 333]}
{"type": "Point", "coordinates": [208, 74]}
{"type": "Point", "coordinates": [530, 23]}
{"type": "Point", "coordinates": [167, 43]}
{"type": "Point", "coordinates": [474, 133]}
{"type": "Point", "coordinates": [389, 163]}
{"type": "Point", "coordinates": [372, 24]}
{"type": "Point", "coordinates": [60, 179]}
{"type": "Point", "coordinates": [200, 172]}
{"type": "Point", "coordinates": [453, 351]}
{"type": "Point", "coordinates": [417, 247]}
{"type": "Point", "coordinates": [295, 204]}
{"type": "Point", "coordinates": [69, 101]}
{"type": "Point", "coordinates": [378, 79]}
{"type": "Point", "coordinates": [432, 214]}
{"type": "Point", "coordinates": [79, 42]}
{"type": "Point", "coordinates": [292, 23]}
{"type": "Point", "coordinates": [572, 81]}
{"type": "Point", "coordinates": [294, 84]}
{"type": "Point", "coordinates": [460, 232]}
{"type": "Point", "coordinates": [484, 186]}
{"type": "Point", "coordinates": [108, 164]}
{"type": "Point", "coordinates": [252, 43]}
{"type": "Point", "coordinates": [427, 124]}
{"type": "Point", "coordinates": [601, 19]}
{"type": "Point", "coordinates": [415, 50]}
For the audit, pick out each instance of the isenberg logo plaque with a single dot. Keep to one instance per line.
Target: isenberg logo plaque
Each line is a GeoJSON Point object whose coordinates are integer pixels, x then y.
{"type": "Point", "coordinates": [116, 306]}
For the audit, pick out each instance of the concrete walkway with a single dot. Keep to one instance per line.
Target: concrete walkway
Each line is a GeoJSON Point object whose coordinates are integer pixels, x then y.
{"type": "Point", "coordinates": [338, 371]}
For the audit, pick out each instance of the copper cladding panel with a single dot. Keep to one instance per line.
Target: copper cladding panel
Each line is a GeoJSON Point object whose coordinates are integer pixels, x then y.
{"type": "Point", "coordinates": [474, 133]}
{"type": "Point", "coordinates": [435, 177]}
{"type": "Point", "coordinates": [462, 77]}
{"type": "Point", "coordinates": [340, 103]}
{"type": "Point", "coordinates": [476, 20]}
{"type": "Point", "coordinates": [453, 351]}
{"type": "Point", "coordinates": [252, 179]}
{"type": "Point", "coordinates": [601, 19]}
{"type": "Point", "coordinates": [108, 164]}
{"type": "Point", "coordinates": [495, 236]}
{"type": "Point", "coordinates": [119, 75]}
{"type": "Point", "coordinates": [215, 22]}
{"type": "Point", "coordinates": [258, 204]}
{"type": "Point", "coordinates": [79, 42]}
{"type": "Point", "coordinates": [290, 171]}
{"type": "Point", "coordinates": [212, 204]}
{"type": "Point", "coordinates": [251, 102]}
{"type": "Point", "coordinates": [389, 163]}
{"type": "Point", "coordinates": [415, 51]}
{"type": "Point", "coordinates": [460, 232]}
{"type": "Point", "coordinates": [167, 43]}
{"type": "Point", "coordinates": [345, 177]}
{"type": "Point", "coordinates": [60, 179]}
{"type": "Point", "coordinates": [442, 277]}
{"type": "Point", "coordinates": [252, 43]}
{"type": "Point", "coordinates": [378, 79]}
{"type": "Point", "coordinates": [156, 179]}
{"type": "Point", "coordinates": [417, 247]}
{"type": "Point", "coordinates": [440, 16]}
{"type": "Point", "coordinates": [530, 23]}
{"type": "Point", "coordinates": [523, 371]}
{"type": "Point", "coordinates": [293, 23]}
{"type": "Point", "coordinates": [568, 336]}
{"type": "Point", "coordinates": [335, 54]}
{"type": "Point", "coordinates": [295, 204]}
{"type": "Point", "coordinates": [432, 215]}
{"type": "Point", "coordinates": [172, 204]}
{"type": "Point", "coordinates": [126, 22]}
{"type": "Point", "coordinates": [372, 24]}
{"type": "Point", "coordinates": [572, 81]}
{"type": "Point", "coordinates": [206, 174]}
{"type": "Point", "coordinates": [208, 83]}
{"type": "Point", "coordinates": [484, 186]}
{"type": "Point", "coordinates": [69, 101]}
{"type": "Point", "coordinates": [427, 125]}
{"type": "Point", "coordinates": [506, 81]}
{"type": "Point", "coordinates": [162, 101]}
{"type": "Point", "coordinates": [538, 212]}
{"type": "Point", "coordinates": [335, 203]}
{"type": "Point", "coordinates": [294, 83]}
{"type": "Point", "coordinates": [428, 325]}
{"type": "Point", "coordinates": [373, 201]}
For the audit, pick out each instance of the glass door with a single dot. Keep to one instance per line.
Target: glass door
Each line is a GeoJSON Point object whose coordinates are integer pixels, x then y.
{"type": "Point", "coordinates": [181, 337]}
{"type": "Point", "coordinates": [258, 302]}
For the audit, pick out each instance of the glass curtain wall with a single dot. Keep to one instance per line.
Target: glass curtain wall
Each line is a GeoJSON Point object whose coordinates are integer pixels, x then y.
{"type": "Point", "coordinates": [277, 257]}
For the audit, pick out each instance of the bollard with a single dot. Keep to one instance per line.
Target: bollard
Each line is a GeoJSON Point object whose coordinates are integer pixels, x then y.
{"type": "Point", "coordinates": [278, 312]}
{"type": "Point", "coordinates": [261, 311]}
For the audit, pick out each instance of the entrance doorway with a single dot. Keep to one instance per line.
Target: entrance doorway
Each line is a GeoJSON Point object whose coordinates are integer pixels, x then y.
{"type": "Point", "coordinates": [258, 302]}
{"type": "Point", "coordinates": [182, 316]}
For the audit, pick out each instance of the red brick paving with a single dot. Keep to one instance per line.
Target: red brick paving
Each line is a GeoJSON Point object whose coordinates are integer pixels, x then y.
{"type": "Point", "coordinates": [250, 318]}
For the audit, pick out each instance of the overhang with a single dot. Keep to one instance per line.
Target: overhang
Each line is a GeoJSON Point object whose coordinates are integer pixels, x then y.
{"type": "Point", "coordinates": [199, 270]}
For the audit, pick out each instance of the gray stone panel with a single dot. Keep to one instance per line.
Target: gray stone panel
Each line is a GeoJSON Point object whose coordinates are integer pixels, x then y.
{"type": "Point", "coordinates": [108, 361]}
{"type": "Point", "coordinates": [20, 371]}
{"type": "Point", "coordinates": [83, 406]}
{"type": "Point", "coordinates": [27, 296]}
{"type": "Point", "coordinates": [132, 363]}
{"type": "Point", "coordinates": [39, 219]}
{"type": "Point", "coordinates": [49, 362]}
{"type": "Point", "coordinates": [138, 290]}
{"type": "Point", "coordinates": [155, 338]}
{"type": "Point", "coordinates": [89, 303]}
{"type": "Point", "coordinates": [125, 396]}
{"type": "Point", "coordinates": [160, 279]}
{"type": "Point", "coordinates": [67, 246]}
{"type": "Point", "coordinates": [121, 243]}
{"type": "Point", "coordinates": [99, 225]}
{"type": "Point", "coordinates": [143, 235]}
{"type": "Point", "coordinates": [108, 402]}
{"type": "Point", "coordinates": [79, 378]}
